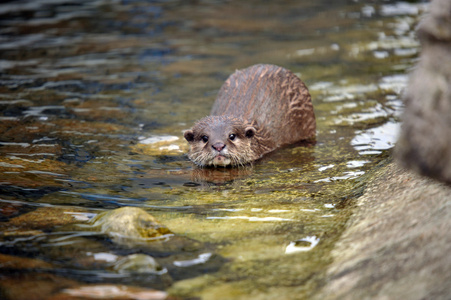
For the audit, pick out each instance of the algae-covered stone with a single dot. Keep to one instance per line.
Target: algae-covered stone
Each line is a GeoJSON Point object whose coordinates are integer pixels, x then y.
{"type": "Point", "coordinates": [128, 224]}
{"type": "Point", "coordinates": [39, 220]}
{"type": "Point", "coordinates": [139, 263]}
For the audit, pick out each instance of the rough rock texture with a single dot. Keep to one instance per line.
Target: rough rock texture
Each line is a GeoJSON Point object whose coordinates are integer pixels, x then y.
{"type": "Point", "coordinates": [425, 141]}
{"type": "Point", "coordinates": [398, 244]}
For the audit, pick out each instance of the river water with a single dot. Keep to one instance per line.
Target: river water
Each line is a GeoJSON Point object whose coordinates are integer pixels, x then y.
{"type": "Point", "coordinates": [94, 98]}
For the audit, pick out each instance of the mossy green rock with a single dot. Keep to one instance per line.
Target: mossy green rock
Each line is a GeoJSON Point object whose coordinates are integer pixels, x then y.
{"type": "Point", "coordinates": [130, 224]}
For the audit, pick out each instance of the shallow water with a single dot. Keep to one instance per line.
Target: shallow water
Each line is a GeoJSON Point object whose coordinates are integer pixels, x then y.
{"type": "Point", "coordinates": [94, 98]}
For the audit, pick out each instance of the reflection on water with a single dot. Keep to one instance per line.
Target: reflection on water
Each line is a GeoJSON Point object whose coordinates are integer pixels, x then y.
{"type": "Point", "coordinates": [94, 99]}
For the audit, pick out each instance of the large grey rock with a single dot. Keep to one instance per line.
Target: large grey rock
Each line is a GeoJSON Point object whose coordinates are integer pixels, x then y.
{"type": "Point", "coordinates": [425, 141]}
{"type": "Point", "coordinates": [397, 245]}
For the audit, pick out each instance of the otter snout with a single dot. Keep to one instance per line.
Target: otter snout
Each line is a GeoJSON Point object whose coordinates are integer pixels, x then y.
{"type": "Point", "coordinates": [218, 146]}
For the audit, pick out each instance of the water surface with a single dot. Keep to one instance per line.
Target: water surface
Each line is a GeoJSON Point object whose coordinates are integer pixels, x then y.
{"type": "Point", "coordinates": [94, 98]}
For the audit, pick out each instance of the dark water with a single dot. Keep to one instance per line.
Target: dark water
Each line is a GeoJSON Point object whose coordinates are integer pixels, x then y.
{"type": "Point", "coordinates": [94, 98]}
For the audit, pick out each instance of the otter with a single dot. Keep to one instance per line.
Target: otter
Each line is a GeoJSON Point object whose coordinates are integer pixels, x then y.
{"type": "Point", "coordinates": [257, 110]}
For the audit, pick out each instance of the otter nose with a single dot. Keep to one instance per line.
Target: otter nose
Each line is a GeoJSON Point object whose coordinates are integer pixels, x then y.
{"type": "Point", "coordinates": [218, 146]}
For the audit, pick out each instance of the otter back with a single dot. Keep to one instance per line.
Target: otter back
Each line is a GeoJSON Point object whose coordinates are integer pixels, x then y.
{"type": "Point", "coordinates": [272, 99]}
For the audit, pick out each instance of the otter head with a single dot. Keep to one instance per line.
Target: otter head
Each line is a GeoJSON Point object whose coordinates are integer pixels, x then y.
{"type": "Point", "coordinates": [221, 141]}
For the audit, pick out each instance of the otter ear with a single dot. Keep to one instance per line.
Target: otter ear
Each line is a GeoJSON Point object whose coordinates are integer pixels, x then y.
{"type": "Point", "coordinates": [250, 131]}
{"type": "Point", "coordinates": [189, 135]}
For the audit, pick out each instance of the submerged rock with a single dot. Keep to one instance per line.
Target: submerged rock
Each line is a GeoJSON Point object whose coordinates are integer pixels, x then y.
{"type": "Point", "coordinates": [41, 219]}
{"type": "Point", "coordinates": [110, 291]}
{"type": "Point", "coordinates": [130, 225]}
{"type": "Point", "coordinates": [133, 227]}
{"type": "Point", "coordinates": [160, 145]}
{"type": "Point", "coordinates": [20, 263]}
{"type": "Point", "coordinates": [33, 285]}
{"type": "Point", "coordinates": [425, 141]}
{"type": "Point", "coordinates": [136, 231]}
{"type": "Point", "coordinates": [139, 263]}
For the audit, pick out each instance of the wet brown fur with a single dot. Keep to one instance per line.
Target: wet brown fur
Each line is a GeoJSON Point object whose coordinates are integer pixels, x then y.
{"type": "Point", "coordinates": [264, 106]}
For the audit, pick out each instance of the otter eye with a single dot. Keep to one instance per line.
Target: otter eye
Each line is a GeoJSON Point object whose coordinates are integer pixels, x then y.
{"type": "Point", "coordinates": [205, 138]}
{"type": "Point", "coordinates": [232, 136]}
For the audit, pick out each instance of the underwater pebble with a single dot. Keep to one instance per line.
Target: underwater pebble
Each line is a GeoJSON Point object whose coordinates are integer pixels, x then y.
{"type": "Point", "coordinates": [139, 263]}
{"type": "Point", "coordinates": [107, 291]}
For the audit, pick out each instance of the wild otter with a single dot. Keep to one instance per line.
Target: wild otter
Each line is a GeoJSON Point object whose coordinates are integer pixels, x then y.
{"type": "Point", "coordinates": [258, 110]}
